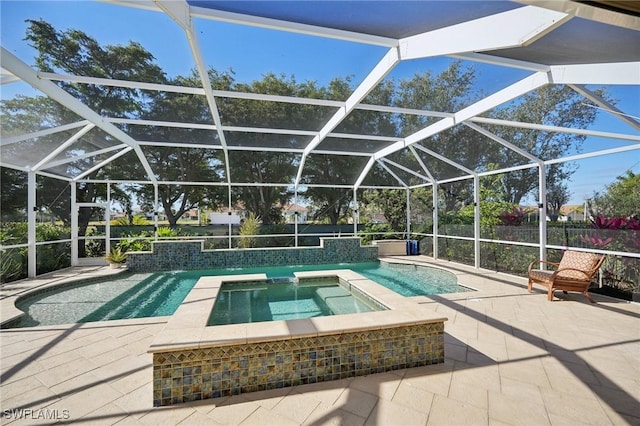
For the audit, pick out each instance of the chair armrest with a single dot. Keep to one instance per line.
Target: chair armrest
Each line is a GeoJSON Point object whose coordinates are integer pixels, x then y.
{"type": "Point", "coordinates": [540, 262]}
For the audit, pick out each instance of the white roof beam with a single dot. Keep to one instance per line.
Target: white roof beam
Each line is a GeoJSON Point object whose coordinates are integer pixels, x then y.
{"type": "Point", "coordinates": [605, 105]}
{"type": "Point", "coordinates": [518, 27]}
{"type": "Point", "coordinates": [503, 142]}
{"type": "Point", "coordinates": [519, 88]}
{"type": "Point", "coordinates": [54, 176]}
{"type": "Point", "coordinates": [507, 169]}
{"type": "Point", "coordinates": [455, 179]}
{"type": "Point", "coordinates": [180, 12]}
{"type": "Point", "coordinates": [400, 110]}
{"type": "Point", "coordinates": [391, 172]}
{"type": "Point", "coordinates": [188, 90]}
{"type": "Point", "coordinates": [293, 27]}
{"type": "Point", "coordinates": [419, 160]}
{"type": "Point", "coordinates": [7, 78]}
{"type": "Point", "coordinates": [102, 164]}
{"type": "Point", "coordinates": [612, 73]}
{"type": "Point", "coordinates": [618, 150]}
{"type": "Point", "coordinates": [42, 163]}
{"type": "Point", "coordinates": [251, 148]}
{"type": "Point", "coordinates": [547, 128]}
{"type": "Point", "coordinates": [137, 4]}
{"type": "Point", "coordinates": [364, 172]}
{"type": "Point", "coordinates": [406, 169]}
{"type": "Point", "coordinates": [86, 155]}
{"type": "Point", "coordinates": [503, 62]}
{"type": "Point", "coordinates": [13, 166]}
{"type": "Point", "coordinates": [381, 69]}
{"type": "Point", "coordinates": [591, 12]}
{"type": "Point", "coordinates": [26, 73]}
{"type": "Point", "coordinates": [40, 133]}
{"type": "Point", "coordinates": [445, 159]}
{"type": "Point", "coordinates": [269, 23]}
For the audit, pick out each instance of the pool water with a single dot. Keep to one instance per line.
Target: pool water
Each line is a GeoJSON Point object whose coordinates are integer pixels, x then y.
{"type": "Point", "coordinates": [271, 301]}
{"type": "Point", "coordinates": [132, 295]}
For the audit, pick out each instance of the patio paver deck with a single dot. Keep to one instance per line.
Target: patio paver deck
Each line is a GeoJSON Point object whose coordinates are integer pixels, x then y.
{"type": "Point", "coordinates": [511, 358]}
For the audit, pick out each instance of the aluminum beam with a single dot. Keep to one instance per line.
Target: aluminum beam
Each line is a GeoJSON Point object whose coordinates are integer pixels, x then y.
{"type": "Point", "coordinates": [293, 27]}
{"type": "Point", "coordinates": [179, 11]}
{"type": "Point", "coordinates": [557, 129]}
{"type": "Point", "coordinates": [41, 133]}
{"type": "Point", "coordinates": [518, 27]}
{"type": "Point", "coordinates": [382, 68]}
{"type": "Point", "coordinates": [614, 73]}
{"type": "Point", "coordinates": [519, 88]}
{"type": "Point", "coordinates": [606, 105]}
{"type": "Point", "coordinates": [43, 163]}
{"type": "Point", "coordinates": [26, 73]}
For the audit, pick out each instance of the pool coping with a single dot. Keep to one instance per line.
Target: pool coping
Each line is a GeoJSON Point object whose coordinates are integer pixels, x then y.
{"type": "Point", "coordinates": [187, 327]}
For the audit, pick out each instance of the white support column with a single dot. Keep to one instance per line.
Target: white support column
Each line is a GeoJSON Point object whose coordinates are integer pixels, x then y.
{"type": "Point", "coordinates": [31, 224]}
{"type": "Point", "coordinates": [435, 219]}
{"type": "Point", "coordinates": [229, 215]}
{"type": "Point", "coordinates": [356, 212]}
{"type": "Point", "coordinates": [156, 213]}
{"type": "Point", "coordinates": [408, 214]}
{"type": "Point", "coordinates": [107, 219]}
{"type": "Point", "coordinates": [295, 216]}
{"type": "Point", "coordinates": [74, 225]}
{"type": "Point", "coordinates": [542, 212]}
{"type": "Point", "coordinates": [476, 220]}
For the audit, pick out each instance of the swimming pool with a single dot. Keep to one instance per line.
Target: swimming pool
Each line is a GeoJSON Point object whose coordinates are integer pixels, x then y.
{"type": "Point", "coordinates": [135, 295]}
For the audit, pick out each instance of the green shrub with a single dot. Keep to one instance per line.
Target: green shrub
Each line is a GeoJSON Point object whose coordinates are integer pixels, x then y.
{"type": "Point", "coordinates": [116, 255]}
{"type": "Point", "coordinates": [248, 229]}
{"type": "Point", "coordinates": [379, 231]}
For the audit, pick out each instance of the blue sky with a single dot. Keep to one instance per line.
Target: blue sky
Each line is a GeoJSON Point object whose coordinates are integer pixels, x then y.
{"type": "Point", "coordinates": [227, 46]}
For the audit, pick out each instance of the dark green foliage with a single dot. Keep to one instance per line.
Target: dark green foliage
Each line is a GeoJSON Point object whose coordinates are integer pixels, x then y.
{"type": "Point", "coordinates": [49, 257]}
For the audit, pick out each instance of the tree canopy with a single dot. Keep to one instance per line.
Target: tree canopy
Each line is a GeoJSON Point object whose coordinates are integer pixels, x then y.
{"type": "Point", "coordinates": [621, 198]}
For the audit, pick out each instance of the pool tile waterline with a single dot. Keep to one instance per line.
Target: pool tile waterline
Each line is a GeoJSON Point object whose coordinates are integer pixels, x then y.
{"type": "Point", "coordinates": [191, 375]}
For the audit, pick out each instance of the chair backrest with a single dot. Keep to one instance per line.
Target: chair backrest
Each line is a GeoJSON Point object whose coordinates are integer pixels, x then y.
{"type": "Point", "coordinates": [587, 262]}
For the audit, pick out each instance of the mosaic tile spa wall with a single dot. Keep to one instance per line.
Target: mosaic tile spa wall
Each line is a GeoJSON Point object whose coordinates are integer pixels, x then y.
{"type": "Point", "coordinates": [203, 373]}
{"type": "Point", "coordinates": [189, 255]}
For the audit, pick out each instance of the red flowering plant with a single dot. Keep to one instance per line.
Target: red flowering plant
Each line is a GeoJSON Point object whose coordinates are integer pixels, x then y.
{"type": "Point", "coordinates": [619, 234]}
{"type": "Point", "coordinates": [514, 217]}
{"type": "Point", "coordinates": [625, 241]}
{"type": "Point", "coordinates": [509, 218]}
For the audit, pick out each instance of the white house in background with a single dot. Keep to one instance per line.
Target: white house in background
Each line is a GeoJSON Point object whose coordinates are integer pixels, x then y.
{"type": "Point", "coordinates": [571, 213]}
{"type": "Point", "coordinates": [289, 212]}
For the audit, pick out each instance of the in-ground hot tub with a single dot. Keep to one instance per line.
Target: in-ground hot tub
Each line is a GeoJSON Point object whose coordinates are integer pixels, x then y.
{"type": "Point", "coordinates": [285, 299]}
{"type": "Point", "coordinates": [193, 361]}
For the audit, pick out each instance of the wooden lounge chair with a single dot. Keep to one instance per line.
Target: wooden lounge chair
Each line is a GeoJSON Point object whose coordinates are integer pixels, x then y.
{"type": "Point", "coordinates": [575, 272]}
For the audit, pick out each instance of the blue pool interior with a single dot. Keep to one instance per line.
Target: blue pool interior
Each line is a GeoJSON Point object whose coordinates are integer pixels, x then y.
{"type": "Point", "coordinates": [139, 295]}
{"type": "Point", "coordinates": [259, 301]}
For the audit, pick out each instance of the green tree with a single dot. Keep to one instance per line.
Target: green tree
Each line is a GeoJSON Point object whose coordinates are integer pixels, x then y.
{"type": "Point", "coordinates": [557, 196]}
{"type": "Point", "coordinates": [13, 197]}
{"type": "Point", "coordinates": [551, 105]}
{"type": "Point", "coordinates": [392, 203]}
{"type": "Point", "coordinates": [621, 198]}
{"type": "Point", "coordinates": [258, 166]}
{"type": "Point", "coordinates": [183, 164]}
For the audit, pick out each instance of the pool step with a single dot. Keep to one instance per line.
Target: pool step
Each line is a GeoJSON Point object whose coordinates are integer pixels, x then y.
{"type": "Point", "coordinates": [339, 300]}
